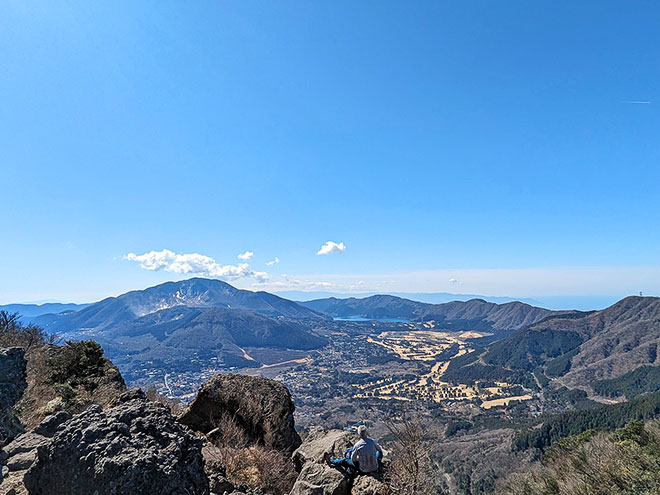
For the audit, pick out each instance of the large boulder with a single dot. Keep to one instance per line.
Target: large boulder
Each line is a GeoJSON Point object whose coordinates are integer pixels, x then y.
{"type": "Point", "coordinates": [262, 409]}
{"type": "Point", "coordinates": [135, 447]}
{"type": "Point", "coordinates": [13, 382]}
{"type": "Point", "coordinates": [319, 479]}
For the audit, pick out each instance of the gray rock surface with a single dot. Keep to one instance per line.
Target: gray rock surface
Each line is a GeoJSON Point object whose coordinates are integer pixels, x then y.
{"type": "Point", "coordinates": [20, 454]}
{"type": "Point", "coordinates": [262, 408]}
{"type": "Point", "coordinates": [319, 479]}
{"type": "Point", "coordinates": [12, 385]}
{"type": "Point", "coordinates": [134, 448]}
{"type": "Point", "coordinates": [369, 485]}
{"type": "Point", "coordinates": [320, 442]}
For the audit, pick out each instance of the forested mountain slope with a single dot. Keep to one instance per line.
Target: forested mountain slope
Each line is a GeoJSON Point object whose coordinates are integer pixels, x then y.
{"type": "Point", "coordinates": [580, 349]}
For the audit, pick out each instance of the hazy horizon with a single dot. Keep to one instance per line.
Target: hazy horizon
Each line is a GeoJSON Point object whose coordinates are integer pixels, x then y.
{"type": "Point", "coordinates": [580, 302]}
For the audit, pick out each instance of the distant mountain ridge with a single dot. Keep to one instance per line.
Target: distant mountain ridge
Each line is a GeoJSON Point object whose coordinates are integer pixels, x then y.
{"type": "Point", "coordinates": [579, 349]}
{"type": "Point", "coordinates": [191, 293]}
{"type": "Point", "coordinates": [28, 311]}
{"type": "Point", "coordinates": [475, 314]}
{"type": "Point", "coordinates": [424, 297]}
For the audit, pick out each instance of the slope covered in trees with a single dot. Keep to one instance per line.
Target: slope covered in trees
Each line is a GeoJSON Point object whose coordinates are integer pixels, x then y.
{"type": "Point", "coordinates": [602, 418]}
{"type": "Point", "coordinates": [625, 462]}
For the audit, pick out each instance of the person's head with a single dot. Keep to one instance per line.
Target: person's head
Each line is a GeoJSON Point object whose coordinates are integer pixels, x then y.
{"type": "Point", "coordinates": [362, 431]}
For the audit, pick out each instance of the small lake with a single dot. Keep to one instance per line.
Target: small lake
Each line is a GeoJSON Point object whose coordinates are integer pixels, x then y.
{"type": "Point", "coordinates": [360, 318]}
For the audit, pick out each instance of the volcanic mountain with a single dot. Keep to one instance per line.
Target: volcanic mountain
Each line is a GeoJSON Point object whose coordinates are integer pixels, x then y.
{"type": "Point", "coordinates": [191, 293]}
{"type": "Point", "coordinates": [181, 322]}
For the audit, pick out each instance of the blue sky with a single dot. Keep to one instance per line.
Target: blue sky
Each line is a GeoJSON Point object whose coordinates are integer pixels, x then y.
{"type": "Point", "coordinates": [507, 148]}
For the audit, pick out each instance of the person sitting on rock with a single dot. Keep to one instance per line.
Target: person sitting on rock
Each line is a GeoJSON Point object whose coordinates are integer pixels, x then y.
{"type": "Point", "coordinates": [363, 458]}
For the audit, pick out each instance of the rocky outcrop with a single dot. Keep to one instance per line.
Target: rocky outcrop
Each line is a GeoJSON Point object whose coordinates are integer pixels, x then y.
{"type": "Point", "coordinates": [316, 478]}
{"type": "Point", "coordinates": [12, 385]}
{"type": "Point", "coordinates": [22, 453]}
{"type": "Point", "coordinates": [42, 397]}
{"type": "Point", "coordinates": [319, 479]}
{"type": "Point", "coordinates": [135, 447]}
{"type": "Point", "coordinates": [319, 442]}
{"type": "Point", "coordinates": [261, 408]}
{"type": "Point", "coordinates": [369, 485]}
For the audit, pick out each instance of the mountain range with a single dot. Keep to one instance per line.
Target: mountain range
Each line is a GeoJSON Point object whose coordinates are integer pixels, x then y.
{"type": "Point", "coordinates": [426, 297]}
{"type": "Point", "coordinates": [203, 318]}
{"type": "Point", "coordinates": [28, 311]}
{"type": "Point", "coordinates": [475, 314]}
{"type": "Point", "coordinates": [178, 322]}
{"type": "Point", "coordinates": [577, 350]}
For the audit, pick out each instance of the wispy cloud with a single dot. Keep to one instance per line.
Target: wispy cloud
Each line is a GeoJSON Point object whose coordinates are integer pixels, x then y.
{"type": "Point", "coordinates": [273, 262]}
{"type": "Point", "coordinates": [247, 255]}
{"type": "Point", "coordinates": [637, 102]}
{"type": "Point", "coordinates": [331, 247]}
{"type": "Point", "coordinates": [287, 282]}
{"type": "Point", "coordinates": [200, 264]}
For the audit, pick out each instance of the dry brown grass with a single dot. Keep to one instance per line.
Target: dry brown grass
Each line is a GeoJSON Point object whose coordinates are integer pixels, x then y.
{"type": "Point", "coordinates": [257, 467]}
{"type": "Point", "coordinates": [251, 466]}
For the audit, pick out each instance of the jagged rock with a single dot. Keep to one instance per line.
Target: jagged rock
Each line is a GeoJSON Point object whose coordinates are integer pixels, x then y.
{"type": "Point", "coordinates": [127, 396]}
{"type": "Point", "coordinates": [13, 485]}
{"type": "Point", "coordinates": [133, 448]}
{"type": "Point", "coordinates": [262, 408]}
{"type": "Point", "coordinates": [369, 485]}
{"type": "Point", "coordinates": [20, 454]}
{"type": "Point", "coordinates": [319, 479]}
{"type": "Point", "coordinates": [49, 425]}
{"type": "Point", "coordinates": [13, 382]}
{"type": "Point", "coordinates": [215, 471]}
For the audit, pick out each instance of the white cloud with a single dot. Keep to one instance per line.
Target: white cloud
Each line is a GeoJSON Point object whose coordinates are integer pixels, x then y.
{"type": "Point", "coordinates": [453, 281]}
{"type": "Point", "coordinates": [274, 262]}
{"type": "Point", "coordinates": [194, 263]}
{"type": "Point", "coordinates": [247, 255]}
{"type": "Point", "coordinates": [332, 247]}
